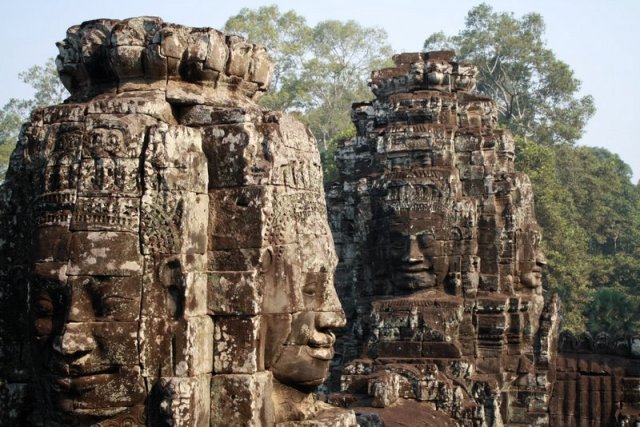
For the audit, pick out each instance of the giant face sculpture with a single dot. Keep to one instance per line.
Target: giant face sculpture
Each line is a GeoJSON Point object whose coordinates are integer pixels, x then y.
{"type": "Point", "coordinates": [272, 261]}
{"type": "Point", "coordinates": [300, 298]}
{"type": "Point", "coordinates": [408, 248]}
{"type": "Point", "coordinates": [86, 279]}
{"type": "Point", "coordinates": [86, 329]}
{"type": "Point", "coordinates": [412, 227]}
{"type": "Point", "coordinates": [91, 323]}
{"type": "Point", "coordinates": [138, 270]}
{"type": "Point", "coordinates": [531, 259]}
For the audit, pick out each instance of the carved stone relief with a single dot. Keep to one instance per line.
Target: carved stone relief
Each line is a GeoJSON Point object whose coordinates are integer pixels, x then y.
{"type": "Point", "coordinates": [166, 256]}
{"type": "Point", "coordinates": [440, 263]}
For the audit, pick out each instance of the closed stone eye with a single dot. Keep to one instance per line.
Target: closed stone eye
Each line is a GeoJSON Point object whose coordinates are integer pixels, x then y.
{"type": "Point", "coordinates": [310, 289]}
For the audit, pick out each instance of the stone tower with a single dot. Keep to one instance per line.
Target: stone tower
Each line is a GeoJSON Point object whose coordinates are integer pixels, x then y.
{"type": "Point", "coordinates": [165, 257]}
{"type": "Point", "coordinates": [439, 259]}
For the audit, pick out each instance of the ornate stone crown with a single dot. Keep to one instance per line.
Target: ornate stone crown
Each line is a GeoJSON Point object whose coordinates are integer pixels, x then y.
{"type": "Point", "coordinates": [135, 53]}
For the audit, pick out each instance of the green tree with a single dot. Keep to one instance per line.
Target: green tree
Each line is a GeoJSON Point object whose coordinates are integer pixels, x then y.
{"type": "Point", "coordinates": [615, 311]}
{"type": "Point", "coordinates": [329, 165]}
{"type": "Point", "coordinates": [323, 68]}
{"type": "Point", "coordinates": [600, 186]}
{"type": "Point", "coordinates": [564, 242]}
{"type": "Point", "coordinates": [342, 56]}
{"type": "Point", "coordinates": [286, 36]}
{"type": "Point", "coordinates": [48, 90]}
{"type": "Point", "coordinates": [590, 214]}
{"type": "Point", "coordinates": [535, 92]}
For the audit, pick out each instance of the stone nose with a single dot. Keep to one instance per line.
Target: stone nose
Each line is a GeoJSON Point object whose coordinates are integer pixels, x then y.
{"type": "Point", "coordinates": [541, 260]}
{"type": "Point", "coordinates": [75, 341]}
{"type": "Point", "coordinates": [327, 320]}
{"type": "Point", "coordinates": [414, 254]}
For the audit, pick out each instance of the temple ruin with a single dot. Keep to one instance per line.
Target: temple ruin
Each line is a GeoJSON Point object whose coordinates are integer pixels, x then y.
{"type": "Point", "coordinates": [440, 269]}
{"type": "Point", "coordinates": [165, 253]}
{"type": "Point", "coordinates": [167, 256]}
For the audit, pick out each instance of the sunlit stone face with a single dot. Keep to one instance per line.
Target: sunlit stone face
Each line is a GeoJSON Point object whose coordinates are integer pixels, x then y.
{"type": "Point", "coordinates": [86, 333]}
{"type": "Point", "coordinates": [300, 298]}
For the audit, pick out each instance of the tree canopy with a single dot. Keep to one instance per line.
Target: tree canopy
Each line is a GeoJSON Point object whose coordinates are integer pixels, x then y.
{"type": "Point", "coordinates": [286, 36]}
{"type": "Point", "coordinates": [536, 93]}
{"type": "Point", "coordinates": [320, 70]}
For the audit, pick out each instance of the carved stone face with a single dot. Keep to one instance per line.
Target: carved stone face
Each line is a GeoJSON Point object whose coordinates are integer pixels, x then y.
{"type": "Point", "coordinates": [413, 227]}
{"type": "Point", "coordinates": [406, 251]}
{"type": "Point", "coordinates": [86, 331]}
{"type": "Point", "coordinates": [532, 261]}
{"type": "Point", "coordinates": [303, 306]}
{"type": "Point", "coordinates": [411, 251]}
{"type": "Point", "coordinates": [470, 275]}
{"type": "Point", "coordinates": [531, 272]}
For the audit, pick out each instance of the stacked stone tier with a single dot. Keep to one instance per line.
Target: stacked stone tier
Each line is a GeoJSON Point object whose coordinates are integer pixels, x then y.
{"type": "Point", "coordinates": [420, 71]}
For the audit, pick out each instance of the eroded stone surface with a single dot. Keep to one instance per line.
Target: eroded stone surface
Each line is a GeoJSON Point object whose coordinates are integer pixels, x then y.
{"type": "Point", "coordinates": [440, 271]}
{"type": "Point", "coordinates": [440, 266]}
{"type": "Point", "coordinates": [165, 256]}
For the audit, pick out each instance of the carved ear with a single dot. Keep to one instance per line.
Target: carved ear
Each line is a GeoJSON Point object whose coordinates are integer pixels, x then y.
{"type": "Point", "coordinates": [266, 259]}
{"type": "Point", "coordinates": [170, 276]}
{"type": "Point", "coordinates": [170, 272]}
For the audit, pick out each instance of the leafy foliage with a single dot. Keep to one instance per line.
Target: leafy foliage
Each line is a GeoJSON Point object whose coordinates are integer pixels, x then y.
{"type": "Point", "coordinates": [565, 243]}
{"type": "Point", "coordinates": [324, 68]}
{"type": "Point", "coordinates": [328, 156]}
{"type": "Point", "coordinates": [536, 93]}
{"type": "Point", "coordinates": [342, 56]}
{"type": "Point", "coordinates": [601, 189]}
{"type": "Point", "coordinates": [608, 211]}
{"type": "Point", "coordinates": [286, 36]}
{"type": "Point", "coordinates": [615, 311]}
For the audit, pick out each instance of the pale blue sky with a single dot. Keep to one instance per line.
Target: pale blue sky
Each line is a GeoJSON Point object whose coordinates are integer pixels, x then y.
{"type": "Point", "coordinates": [598, 39]}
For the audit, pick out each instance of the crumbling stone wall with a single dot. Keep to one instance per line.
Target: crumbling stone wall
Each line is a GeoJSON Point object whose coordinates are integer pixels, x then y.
{"type": "Point", "coordinates": [165, 257]}
{"type": "Point", "coordinates": [440, 265]}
